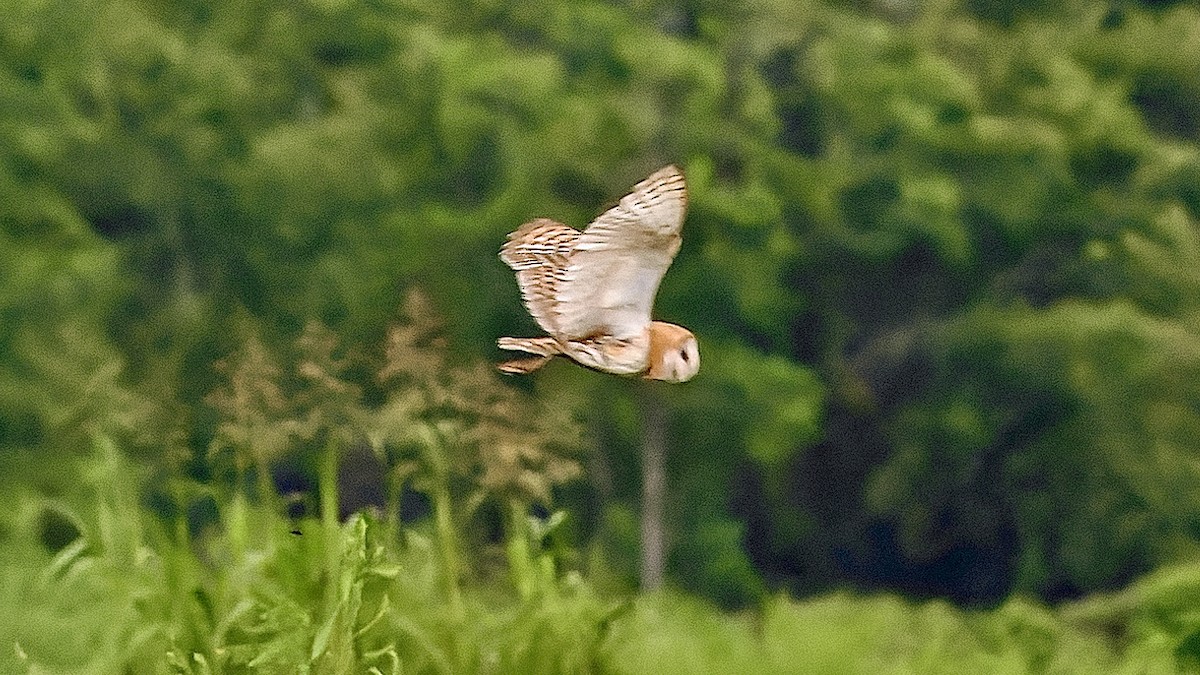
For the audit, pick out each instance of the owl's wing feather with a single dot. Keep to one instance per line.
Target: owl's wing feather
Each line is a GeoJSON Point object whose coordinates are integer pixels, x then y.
{"type": "Point", "coordinates": [538, 252]}
{"type": "Point", "coordinates": [613, 274]}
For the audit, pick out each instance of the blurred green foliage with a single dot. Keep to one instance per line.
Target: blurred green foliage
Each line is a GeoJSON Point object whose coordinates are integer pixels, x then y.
{"type": "Point", "coordinates": [942, 258]}
{"type": "Point", "coordinates": [125, 597]}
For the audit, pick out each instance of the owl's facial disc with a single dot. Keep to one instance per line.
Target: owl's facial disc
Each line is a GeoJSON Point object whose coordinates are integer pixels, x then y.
{"type": "Point", "coordinates": [674, 353]}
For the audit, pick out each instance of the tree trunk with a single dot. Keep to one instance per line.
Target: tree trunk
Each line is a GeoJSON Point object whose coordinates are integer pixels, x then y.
{"type": "Point", "coordinates": [654, 489]}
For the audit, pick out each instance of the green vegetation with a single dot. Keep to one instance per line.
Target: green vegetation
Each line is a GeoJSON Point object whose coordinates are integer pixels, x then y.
{"type": "Point", "coordinates": [943, 260]}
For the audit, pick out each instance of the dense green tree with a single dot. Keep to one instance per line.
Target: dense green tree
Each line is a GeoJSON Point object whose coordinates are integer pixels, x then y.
{"type": "Point", "coordinates": [941, 256]}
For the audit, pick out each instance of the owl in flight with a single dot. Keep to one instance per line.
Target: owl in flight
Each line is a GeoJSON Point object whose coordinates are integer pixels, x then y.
{"type": "Point", "coordinates": [592, 291]}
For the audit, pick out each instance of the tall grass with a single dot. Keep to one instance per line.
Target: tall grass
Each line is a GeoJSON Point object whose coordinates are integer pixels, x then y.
{"type": "Point", "coordinates": [128, 585]}
{"type": "Point", "coordinates": [126, 596]}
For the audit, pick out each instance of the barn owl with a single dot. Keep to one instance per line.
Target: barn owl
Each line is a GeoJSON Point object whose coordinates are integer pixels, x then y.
{"type": "Point", "coordinates": [592, 291]}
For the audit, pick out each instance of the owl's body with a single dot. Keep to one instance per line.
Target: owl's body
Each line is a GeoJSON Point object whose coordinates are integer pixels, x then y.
{"type": "Point", "coordinates": [592, 291]}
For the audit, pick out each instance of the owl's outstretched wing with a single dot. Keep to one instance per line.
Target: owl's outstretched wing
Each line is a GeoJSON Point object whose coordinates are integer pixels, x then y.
{"type": "Point", "coordinates": [614, 269]}
{"type": "Point", "coordinates": [538, 252]}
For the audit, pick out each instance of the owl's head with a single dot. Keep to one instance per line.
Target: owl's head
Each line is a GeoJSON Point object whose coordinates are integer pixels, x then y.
{"type": "Point", "coordinates": [674, 353]}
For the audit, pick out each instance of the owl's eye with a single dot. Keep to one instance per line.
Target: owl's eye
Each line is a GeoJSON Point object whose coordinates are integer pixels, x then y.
{"type": "Point", "coordinates": [683, 355]}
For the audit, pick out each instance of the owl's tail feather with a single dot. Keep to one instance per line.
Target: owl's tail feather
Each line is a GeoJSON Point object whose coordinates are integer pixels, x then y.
{"type": "Point", "coordinates": [544, 347]}
{"type": "Point", "coordinates": [523, 366]}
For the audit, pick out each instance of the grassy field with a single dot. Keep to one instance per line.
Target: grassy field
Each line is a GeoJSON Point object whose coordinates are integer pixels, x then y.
{"type": "Point", "coordinates": [101, 583]}
{"type": "Point", "coordinates": [120, 557]}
